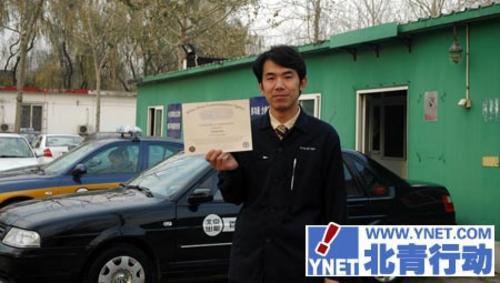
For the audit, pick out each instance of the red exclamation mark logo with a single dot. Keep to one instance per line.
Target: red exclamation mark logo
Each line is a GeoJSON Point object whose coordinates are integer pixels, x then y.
{"type": "Point", "coordinates": [331, 233]}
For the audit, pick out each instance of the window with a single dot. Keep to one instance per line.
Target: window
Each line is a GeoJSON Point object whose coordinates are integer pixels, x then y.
{"type": "Point", "coordinates": [374, 186]}
{"type": "Point", "coordinates": [158, 152]}
{"type": "Point", "coordinates": [311, 104]}
{"type": "Point", "coordinates": [375, 136]}
{"type": "Point", "coordinates": [155, 121]}
{"type": "Point", "coordinates": [14, 147]}
{"type": "Point", "coordinates": [395, 121]}
{"type": "Point", "coordinates": [37, 142]}
{"type": "Point", "coordinates": [116, 159]}
{"type": "Point", "coordinates": [385, 124]}
{"type": "Point", "coordinates": [350, 185]}
{"type": "Point", "coordinates": [211, 183]}
{"type": "Point", "coordinates": [172, 176]}
{"type": "Point", "coordinates": [31, 117]}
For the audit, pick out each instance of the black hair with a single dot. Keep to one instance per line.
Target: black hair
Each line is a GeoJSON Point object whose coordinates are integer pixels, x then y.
{"type": "Point", "coordinates": [283, 55]}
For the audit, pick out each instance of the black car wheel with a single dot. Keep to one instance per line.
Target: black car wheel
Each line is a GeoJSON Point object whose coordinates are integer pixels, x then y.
{"type": "Point", "coordinates": [121, 264]}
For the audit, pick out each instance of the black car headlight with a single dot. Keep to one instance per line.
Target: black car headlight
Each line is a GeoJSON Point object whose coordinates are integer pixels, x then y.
{"type": "Point", "coordinates": [21, 238]}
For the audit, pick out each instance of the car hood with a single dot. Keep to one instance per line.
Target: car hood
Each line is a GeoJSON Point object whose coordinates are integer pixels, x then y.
{"type": "Point", "coordinates": [13, 163]}
{"type": "Point", "coordinates": [35, 214]}
{"type": "Point", "coordinates": [24, 175]}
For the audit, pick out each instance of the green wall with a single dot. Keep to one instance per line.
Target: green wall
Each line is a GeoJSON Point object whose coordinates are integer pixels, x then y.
{"type": "Point", "coordinates": [448, 151]}
{"type": "Point", "coordinates": [235, 83]}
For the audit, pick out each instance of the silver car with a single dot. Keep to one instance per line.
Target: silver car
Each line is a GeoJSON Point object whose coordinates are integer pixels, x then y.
{"type": "Point", "coordinates": [15, 152]}
{"type": "Point", "coordinates": [50, 146]}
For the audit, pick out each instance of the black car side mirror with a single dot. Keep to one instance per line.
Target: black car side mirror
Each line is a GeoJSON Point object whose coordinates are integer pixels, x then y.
{"type": "Point", "coordinates": [79, 170]}
{"type": "Point", "coordinates": [200, 195]}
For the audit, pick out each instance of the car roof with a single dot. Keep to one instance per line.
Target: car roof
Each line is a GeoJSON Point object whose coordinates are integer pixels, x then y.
{"type": "Point", "coordinates": [351, 152]}
{"type": "Point", "coordinates": [11, 135]}
{"type": "Point", "coordinates": [137, 139]}
{"type": "Point", "coordinates": [60, 135]}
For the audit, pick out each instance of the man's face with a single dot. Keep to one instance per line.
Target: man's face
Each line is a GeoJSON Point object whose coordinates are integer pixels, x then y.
{"type": "Point", "coordinates": [281, 86]}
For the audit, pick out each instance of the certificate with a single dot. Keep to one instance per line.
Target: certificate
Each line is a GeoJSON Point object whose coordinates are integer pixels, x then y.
{"type": "Point", "coordinates": [221, 125]}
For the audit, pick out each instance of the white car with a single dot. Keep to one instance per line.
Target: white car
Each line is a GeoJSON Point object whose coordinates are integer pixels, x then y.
{"type": "Point", "coordinates": [15, 152]}
{"type": "Point", "coordinates": [50, 146]}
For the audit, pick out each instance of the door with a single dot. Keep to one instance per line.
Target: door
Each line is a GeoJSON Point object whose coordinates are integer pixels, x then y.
{"type": "Point", "coordinates": [205, 230]}
{"type": "Point", "coordinates": [106, 168]}
{"type": "Point", "coordinates": [357, 200]}
{"type": "Point", "coordinates": [379, 193]}
{"type": "Point", "coordinates": [382, 127]}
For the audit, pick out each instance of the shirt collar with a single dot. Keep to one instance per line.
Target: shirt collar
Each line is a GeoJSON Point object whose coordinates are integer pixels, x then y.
{"type": "Point", "coordinates": [289, 124]}
{"type": "Point", "coordinates": [264, 122]}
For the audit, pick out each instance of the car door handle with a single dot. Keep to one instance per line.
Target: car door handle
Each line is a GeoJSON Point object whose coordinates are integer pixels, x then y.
{"type": "Point", "coordinates": [48, 193]}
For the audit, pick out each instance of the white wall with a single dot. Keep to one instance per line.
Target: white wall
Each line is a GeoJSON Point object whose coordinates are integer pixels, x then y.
{"type": "Point", "coordinates": [63, 113]}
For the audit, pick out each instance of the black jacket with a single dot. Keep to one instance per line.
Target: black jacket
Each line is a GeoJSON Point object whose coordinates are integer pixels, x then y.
{"type": "Point", "coordinates": [283, 185]}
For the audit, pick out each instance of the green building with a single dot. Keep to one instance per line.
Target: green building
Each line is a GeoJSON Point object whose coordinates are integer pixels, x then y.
{"type": "Point", "coordinates": [393, 92]}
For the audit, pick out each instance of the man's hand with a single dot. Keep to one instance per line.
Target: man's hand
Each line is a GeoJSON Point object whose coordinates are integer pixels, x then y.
{"type": "Point", "coordinates": [221, 161]}
{"type": "Point", "coordinates": [330, 281]}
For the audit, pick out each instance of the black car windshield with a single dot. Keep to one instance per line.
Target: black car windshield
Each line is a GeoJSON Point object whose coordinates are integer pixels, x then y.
{"type": "Point", "coordinates": [14, 147]}
{"type": "Point", "coordinates": [65, 162]}
{"type": "Point", "coordinates": [172, 175]}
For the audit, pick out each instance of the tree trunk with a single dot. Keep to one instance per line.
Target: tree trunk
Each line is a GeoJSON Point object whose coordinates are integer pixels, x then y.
{"type": "Point", "coordinates": [69, 73]}
{"type": "Point", "coordinates": [317, 18]}
{"type": "Point", "coordinates": [27, 22]}
{"type": "Point", "coordinates": [98, 96]}
{"type": "Point", "coordinates": [20, 79]}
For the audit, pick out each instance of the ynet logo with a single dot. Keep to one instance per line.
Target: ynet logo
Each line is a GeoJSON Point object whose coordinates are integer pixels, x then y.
{"type": "Point", "coordinates": [409, 251]}
{"type": "Point", "coordinates": [332, 250]}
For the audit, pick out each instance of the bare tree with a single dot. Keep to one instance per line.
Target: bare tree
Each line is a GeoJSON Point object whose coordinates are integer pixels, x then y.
{"type": "Point", "coordinates": [304, 20]}
{"type": "Point", "coordinates": [187, 21]}
{"type": "Point", "coordinates": [21, 17]}
{"type": "Point", "coordinates": [59, 27]}
{"type": "Point", "coordinates": [426, 8]}
{"type": "Point", "coordinates": [434, 8]}
{"type": "Point", "coordinates": [100, 29]}
{"type": "Point", "coordinates": [373, 12]}
{"type": "Point", "coordinates": [3, 14]}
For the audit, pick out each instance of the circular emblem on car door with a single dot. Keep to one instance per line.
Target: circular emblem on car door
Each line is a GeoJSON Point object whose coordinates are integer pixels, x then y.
{"type": "Point", "coordinates": [212, 225]}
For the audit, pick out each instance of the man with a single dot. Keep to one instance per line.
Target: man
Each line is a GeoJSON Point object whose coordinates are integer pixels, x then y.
{"type": "Point", "coordinates": [119, 161]}
{"type": "Point", "coordinates": [293, 177]}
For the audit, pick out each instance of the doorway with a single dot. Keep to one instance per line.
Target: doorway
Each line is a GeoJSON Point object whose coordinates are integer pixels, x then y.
{"type": "Point", "coordinates": [381, 127]}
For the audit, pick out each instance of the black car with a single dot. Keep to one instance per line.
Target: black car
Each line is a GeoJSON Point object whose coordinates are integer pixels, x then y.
{"type": "Point", "coordinates": [87, 167]}
{"type": "Point", "coordinates": [172, 223]}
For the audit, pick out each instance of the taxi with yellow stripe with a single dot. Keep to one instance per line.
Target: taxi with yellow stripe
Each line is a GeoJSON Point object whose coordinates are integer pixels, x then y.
{"type": "Point", "coordinates": [97, 164]}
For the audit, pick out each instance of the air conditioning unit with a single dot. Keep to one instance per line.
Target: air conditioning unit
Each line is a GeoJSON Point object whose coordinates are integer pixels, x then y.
{"type": "Point", "coordinates": [4, 127]}
{"type": "Point", "coordinates": [83, 129]}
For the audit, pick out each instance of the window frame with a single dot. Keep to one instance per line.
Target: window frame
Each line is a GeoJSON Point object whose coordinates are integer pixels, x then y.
{"type": "Point", "coordinates": [316, 98]}
{"type": "Point", "coordinates": [106, 148]}
{"type": "Point", "coordinates": [147, 151]}
{"type": "Point", "coordinates": [350, 161]}
{"type": "Point", "coordinates": [31, 105]}
{"type": "Point", "coordinates": [363, 141]}
{"type": "Point", "coordinates": [151, 128]}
